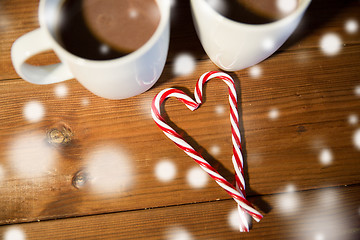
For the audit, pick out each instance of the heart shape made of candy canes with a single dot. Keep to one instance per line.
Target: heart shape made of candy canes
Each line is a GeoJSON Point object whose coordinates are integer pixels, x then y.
{"type": "Point", "coordinates": [237, 192]}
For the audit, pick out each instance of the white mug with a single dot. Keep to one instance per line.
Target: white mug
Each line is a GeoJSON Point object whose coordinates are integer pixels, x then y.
{"type": "Point", "coordinates": [118, 78]}
{"type": "Point", "coordinates": [232, 45]}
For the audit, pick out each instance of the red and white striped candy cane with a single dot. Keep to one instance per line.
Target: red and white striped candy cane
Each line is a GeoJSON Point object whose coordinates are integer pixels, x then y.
{"type": "Point", "coordinates": [238, 192]}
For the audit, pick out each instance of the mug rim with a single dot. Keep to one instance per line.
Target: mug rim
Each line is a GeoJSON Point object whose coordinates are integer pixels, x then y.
{"type": "Point", "coordinates": [164, 8]}
{"type": "Point", "coordinates": [299, 10]}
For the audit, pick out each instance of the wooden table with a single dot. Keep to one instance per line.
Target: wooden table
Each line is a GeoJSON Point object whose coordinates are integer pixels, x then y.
{"type": "Point", "coordinates": [74, 165]}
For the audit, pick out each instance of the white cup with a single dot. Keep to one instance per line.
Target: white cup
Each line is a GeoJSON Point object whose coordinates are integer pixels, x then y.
{"type": "Point", "coordinates": [232, 45]}
{"type": "Point", "coordinates": [119, 78]}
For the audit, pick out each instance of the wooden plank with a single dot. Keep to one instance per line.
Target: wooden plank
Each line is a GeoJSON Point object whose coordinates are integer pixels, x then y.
{"type": "Point", "coordinates": [313, 94]}
{"type": "Point", "coordinates": [310, 101]}
{"type": "Point", "coordinates": [19, 17]}
{"type": "Point", "coordinates": [329, 213]}
{"type": "Point", "coordinates": [320, 20]}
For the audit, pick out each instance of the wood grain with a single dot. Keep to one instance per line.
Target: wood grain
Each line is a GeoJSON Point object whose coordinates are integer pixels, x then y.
{"type": "Point", "coordinates": [296, 110]}
{"type": "Point", "coordinates": [290, 146]}
{"type": "Point", "coordinates": [330, 213]}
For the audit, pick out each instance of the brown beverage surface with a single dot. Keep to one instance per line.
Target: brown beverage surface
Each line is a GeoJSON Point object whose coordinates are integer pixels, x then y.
{"type": "Point", "coordinates": [252, 11]}
{"type": "Point", "coordinates": [106, 29]}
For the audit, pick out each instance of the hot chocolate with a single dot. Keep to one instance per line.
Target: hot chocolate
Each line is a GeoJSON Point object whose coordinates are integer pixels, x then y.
{"type": "Point", "coordinates": [106, 29]}
{"type": "Point", "coordinates": [254, 11]}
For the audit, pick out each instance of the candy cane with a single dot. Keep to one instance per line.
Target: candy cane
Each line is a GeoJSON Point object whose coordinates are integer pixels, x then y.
{"type": "Point", "coordinates": [237, 192]}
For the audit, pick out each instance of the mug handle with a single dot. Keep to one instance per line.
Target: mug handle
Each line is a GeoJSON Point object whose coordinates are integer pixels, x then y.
{"type": "Point", "coordinates": [28, 45]}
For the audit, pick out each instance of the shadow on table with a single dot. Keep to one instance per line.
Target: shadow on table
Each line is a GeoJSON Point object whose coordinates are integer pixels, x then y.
{"type": "Point", "coordinates": [183, 39]}
{"type": "Point", "coordinates": [253, 196]}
